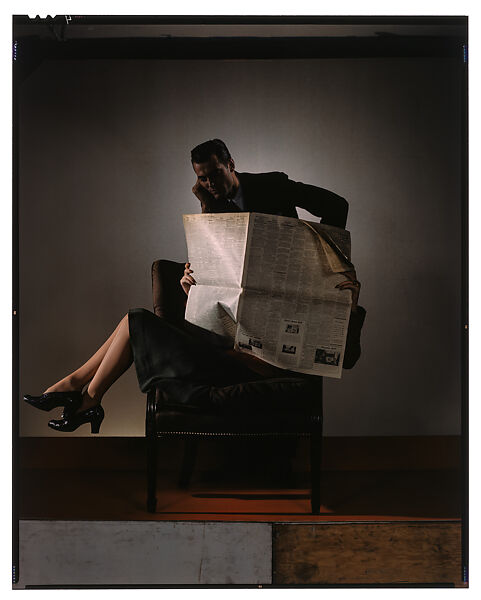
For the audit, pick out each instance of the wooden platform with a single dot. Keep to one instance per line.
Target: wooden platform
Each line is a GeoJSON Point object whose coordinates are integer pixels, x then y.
{"type": "Point", "coordinates": [66, 553]}
{"type": "Point", "coordinates": [384, 526]}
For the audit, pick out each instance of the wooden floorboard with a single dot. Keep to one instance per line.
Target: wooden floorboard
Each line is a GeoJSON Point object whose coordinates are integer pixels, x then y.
{"type": "Point", "coordinates": [385, 453]}
{"type": "Point", "coordinates": [346, 496]}
{"type": "Point", "coordinates": [366, 553]}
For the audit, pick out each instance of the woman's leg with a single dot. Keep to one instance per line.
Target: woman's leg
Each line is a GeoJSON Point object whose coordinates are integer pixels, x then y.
{"type": "Point", "coordinates": [76, 381]}
{"type": "Point", "coordinates": [116, 360]}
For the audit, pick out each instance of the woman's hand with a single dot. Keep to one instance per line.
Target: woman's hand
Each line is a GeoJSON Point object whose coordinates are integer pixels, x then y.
{"type": "Point", "coordinates": [351, 284]}
{"type": "Point", "coordinates": [187, 280]}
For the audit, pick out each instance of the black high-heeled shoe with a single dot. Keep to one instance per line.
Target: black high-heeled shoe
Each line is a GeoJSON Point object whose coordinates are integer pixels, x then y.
{"type": "Point", "coordinates": [50, 400]}
{"type": "Point", "coordinates": [70, 420]}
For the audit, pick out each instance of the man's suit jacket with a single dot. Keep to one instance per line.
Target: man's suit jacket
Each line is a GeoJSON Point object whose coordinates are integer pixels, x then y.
{"type": "Point", "coordinates": [276, 194]}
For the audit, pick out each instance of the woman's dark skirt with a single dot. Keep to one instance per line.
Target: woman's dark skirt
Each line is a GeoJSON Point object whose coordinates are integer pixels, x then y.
{"type": "Point", "coordinates": [186, 359]}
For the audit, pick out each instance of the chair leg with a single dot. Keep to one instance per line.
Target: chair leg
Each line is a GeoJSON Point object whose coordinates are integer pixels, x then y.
{"type": "Point", "coordinates": [316, 449]}
{"type": "Point", "coordinates": [188, 462]}
{"type": "Point", "coordinates": [151, 473]}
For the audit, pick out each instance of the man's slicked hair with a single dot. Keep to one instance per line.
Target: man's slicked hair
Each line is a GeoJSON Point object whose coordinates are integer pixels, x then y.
{"type": "Point", "coordinates": [204, 151]}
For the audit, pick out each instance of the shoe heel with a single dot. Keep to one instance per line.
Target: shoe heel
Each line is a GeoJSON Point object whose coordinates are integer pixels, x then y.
{"type": "Point", "coordinates": [97, 419]}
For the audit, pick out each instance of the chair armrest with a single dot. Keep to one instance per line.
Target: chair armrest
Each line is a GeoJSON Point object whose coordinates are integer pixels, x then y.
{"type": "Point", "coordinates": [353, 340]}
{"type": "Point", "coordinates": [169, 299]}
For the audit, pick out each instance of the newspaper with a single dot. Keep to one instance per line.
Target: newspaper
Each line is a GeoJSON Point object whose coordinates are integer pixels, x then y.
{"type": "Point", "coordinates": [268, 284]}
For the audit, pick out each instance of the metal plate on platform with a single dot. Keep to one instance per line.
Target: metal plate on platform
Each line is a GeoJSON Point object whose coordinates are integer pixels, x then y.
{"type": "Point", "coordinates": [143, 552]}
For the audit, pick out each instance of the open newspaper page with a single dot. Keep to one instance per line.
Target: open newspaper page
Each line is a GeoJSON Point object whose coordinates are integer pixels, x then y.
{"type": "Point", "coordinates": [216, 245]}
{"type": "Point", "coordinates": [291, 314]}
{"type": "Point", "coordinates": [268, 283]}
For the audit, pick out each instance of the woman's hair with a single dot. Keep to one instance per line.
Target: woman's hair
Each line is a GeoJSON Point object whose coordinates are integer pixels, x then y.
{"type": "Point", "coordinates": [204, 151]}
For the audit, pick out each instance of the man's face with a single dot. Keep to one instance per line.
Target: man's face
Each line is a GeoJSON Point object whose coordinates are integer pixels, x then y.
{"type": "Point", "coordinates": [215, 177]}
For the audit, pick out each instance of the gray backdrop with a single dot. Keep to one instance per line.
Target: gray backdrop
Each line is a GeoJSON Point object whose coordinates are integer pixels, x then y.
{"type": "Point", "coordinates": [105, 177]}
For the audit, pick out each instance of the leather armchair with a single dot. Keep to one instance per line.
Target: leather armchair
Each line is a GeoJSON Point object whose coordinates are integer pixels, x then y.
{"type": "Point", "coordinates": [290, 405]}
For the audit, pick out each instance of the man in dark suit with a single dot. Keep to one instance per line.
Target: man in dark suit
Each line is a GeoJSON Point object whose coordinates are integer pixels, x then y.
{"type": "Point", "coordinates": [220, 188]}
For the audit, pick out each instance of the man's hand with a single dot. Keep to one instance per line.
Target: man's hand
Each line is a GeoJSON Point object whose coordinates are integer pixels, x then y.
{"type": "Point", "coordinates": [187, 280]}
{"type": "Point", "coordinates": [351, 284]}
{"type": "Point", "coordinates": [208, 203]}
{"type": "Point", "coordinates": [201, 193]}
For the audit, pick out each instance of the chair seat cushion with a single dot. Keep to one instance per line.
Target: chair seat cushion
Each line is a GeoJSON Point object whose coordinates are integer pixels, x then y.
{"type": "Point", "coordinates": [175, 422]}
{"type": "Point", "coordinates": [284, 405]}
